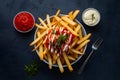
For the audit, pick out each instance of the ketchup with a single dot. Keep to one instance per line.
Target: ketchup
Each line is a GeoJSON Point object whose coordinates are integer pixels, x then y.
{"type": "Point", "coordinates": [24, 21]}
{"type": "Point", "coordinates": [58, 40]}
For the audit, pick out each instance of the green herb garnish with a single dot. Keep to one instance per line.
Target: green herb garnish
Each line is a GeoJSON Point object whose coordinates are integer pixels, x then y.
{"type": "Point", "coordinates": [61, 39]}
{"type": "Point", "coordinates": [93, 17]}
{"type": "Point", "coordinates": [32, 69]}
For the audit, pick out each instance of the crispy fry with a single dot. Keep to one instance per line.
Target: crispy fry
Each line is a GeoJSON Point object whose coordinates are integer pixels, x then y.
{"type": "Point", "coordinates": [77, 29]}
{"type": "Point", "coordinates": [42, 22]}
{"type": "Point", "coordinates": [54, 58]}
{"type": "Point", "coordinates": [60, 65]}
{"type": "Point", "coordinates": [37, 39]}
{"type": "Point", "coordinates": [41, 52]}
{"type": "Point", "coordinates": [37, 46]}
{"type": "Point", "coordinates": [75, 14]}
{"type": "Point", "coordinates": [73, 44]}
{"type": "Point", "coordinates": [67, 61]}
{"type": "Point", "coordinates": [84, 38]}
{"type": "Point", "coordinates": [39, 26]}
{"type": "Point", "coordinates": [48, 21]}
{"type": "Point", "coordinates": [70, 15]}
{"type": "Point", "coordinates": [75, 51]}
{"type": "Point", "coordinates": [82, 44]}
{"type": "Point", "coordinates": [49, 60]}
{"type": "Point", "coordinates": [58, 12]}
{"type": "Point", "coordinates": [69, 21]}
{"type": "Point", "coordinates": [80, 33]}
{"type": "Point", "coordinates": [71, 58]}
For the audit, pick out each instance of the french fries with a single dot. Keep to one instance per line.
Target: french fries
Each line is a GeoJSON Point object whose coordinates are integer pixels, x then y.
{"type": "Point", "coordinates": [44, 34]}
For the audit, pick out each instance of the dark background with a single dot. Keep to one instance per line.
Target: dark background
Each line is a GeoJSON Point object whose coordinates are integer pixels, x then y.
{"type": "Point", "coordinates": [15, 52]}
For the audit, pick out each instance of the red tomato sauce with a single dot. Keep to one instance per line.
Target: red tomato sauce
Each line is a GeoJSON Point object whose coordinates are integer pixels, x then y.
{"type": "Point", "coordinates": [24, 21]}
{"type": "Point", "coordinates": [54, 36]}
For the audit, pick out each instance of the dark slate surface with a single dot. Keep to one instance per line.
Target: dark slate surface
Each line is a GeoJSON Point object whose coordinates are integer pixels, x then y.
{"type": "Point", "coordinates": [15, 51]}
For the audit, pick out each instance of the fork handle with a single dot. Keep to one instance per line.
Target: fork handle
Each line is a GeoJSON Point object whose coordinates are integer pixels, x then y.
{"type": "Point", "coordinates": [85, 62]}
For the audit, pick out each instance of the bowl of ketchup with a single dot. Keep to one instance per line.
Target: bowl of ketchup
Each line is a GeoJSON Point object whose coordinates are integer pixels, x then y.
{"type": "Point", "coordinates": [23, 22]}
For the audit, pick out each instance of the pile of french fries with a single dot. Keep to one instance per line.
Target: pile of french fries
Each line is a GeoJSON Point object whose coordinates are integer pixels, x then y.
{"type": "Point", "coordinates": [76, 48]}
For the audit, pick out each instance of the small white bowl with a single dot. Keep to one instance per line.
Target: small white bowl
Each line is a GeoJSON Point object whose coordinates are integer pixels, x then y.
{"type": "Point", "coordinates": [84, 33]}
{"type": "Point", "coordinates": [23, 31]}
{"type": "Point", "coordinates": [91, 16]}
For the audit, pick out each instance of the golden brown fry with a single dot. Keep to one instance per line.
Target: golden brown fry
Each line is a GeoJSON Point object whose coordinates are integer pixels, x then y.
{"type": "Point", "coordinates": [55, 56]}
{"type": "Point", "coordinates": [45, 50]}
{"type": "Point", "coordinates": [49, 60]}
{"type": "Point", "coordinates": [41, 52]}
{"type": "Point", "coordinates": [37, 39]}
{"type": "Point", "coordinates": [69, 21]}
{"type": "Point", "coordinates": [48, 21]}
{"type": "Point", "coordinates": [37, 46]}
{"type": "Point", "coordinates": [84, 38]}
{"type": "Point", "coordinates": [39, 26]}
{"type": "Point", "coordinates": [60, 65]}
{"type": "Point", "coordinates": [67, 62]}
{"type": "Point", "coordinates": [75, 14]}
{"type": "Point", "coordinates": [80, 33]}
{"type": "Point", "coordinates": [58, 12]}
{"type": "Point", "coordinates": [75, 51]}
{"type": "Point", "coordinates": [42, 22]}
{"type": "Point", "coordinates": [73, 44]}
{"type": "Point", "coordinates": [45, 57]}
{"type": "Point", "coordinates": [77, 29]}
{"type": "Point", "coordinates": [70, 15]}
{"type": "Point", "coordinates": [71, 58]}
{"type": "Point", "coordinates": [82, 44]}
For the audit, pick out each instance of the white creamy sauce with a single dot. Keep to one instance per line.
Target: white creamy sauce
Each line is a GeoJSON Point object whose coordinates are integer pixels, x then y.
{"type": "Point", "coordinates": [91, 17]}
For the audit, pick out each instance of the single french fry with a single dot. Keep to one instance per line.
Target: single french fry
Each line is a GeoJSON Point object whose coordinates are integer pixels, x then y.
{"type": "Point", "coordinates": [70, 15]}
{"type": "Point", "coordinates": [42, 22]}
{"type": "Point", "coordinates": [82, 44]}
{"type": "Point", "coordinates": [58, 12]}
{"type": "Point", "coordinates": [60, 65]}
{"type": "Point", "coordinates": [69, 21]}
{"type": "Point", "coordinates": [76, 51]}
{"type": "Point", "coordinates": [74, 42]}
{"type": "Point", "coordinates": [80, 33]}
{"type": "Point", "coordinates": [49, 60]}
{"type": "Point", "coordinates": [48, 21]}
{"type": "Point", "coordinates": [45, 50]}
{"type": "Point", "coordinates": [45, 57]}
{"type": "Point", "coordinates": [39, 26]}
{"type": "Point", "coordinates": [77, 29]}
{"type": "Point", "coordinates": [37, 39]}
{"type": "Point", "coordinates": [54, 58]}
{"type": "Point", "coordinates": [41, 52]}
{"type": "Point", "coordinates": [75, 14]}
{"type": "Point", "coordinates": [84, 38]}
{"type": "Point", "coordinates": [67, 62]}
{"type": "Point", "coordinates": [37, 46]}
{"type": "Point", "coordinates": [71, 58]}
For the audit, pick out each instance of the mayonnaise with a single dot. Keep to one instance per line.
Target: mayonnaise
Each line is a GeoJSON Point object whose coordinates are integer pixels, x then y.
{"type": "Point", "coordinates": [91, 17]}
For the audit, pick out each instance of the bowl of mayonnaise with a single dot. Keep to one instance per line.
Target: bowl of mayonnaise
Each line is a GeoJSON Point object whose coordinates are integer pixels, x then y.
{"type": "Point", "coordinates": [91, 16]}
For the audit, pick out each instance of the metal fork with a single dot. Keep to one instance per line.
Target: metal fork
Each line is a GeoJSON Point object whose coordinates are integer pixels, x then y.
{"type": "Point", "coordinates": [95, 46]}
